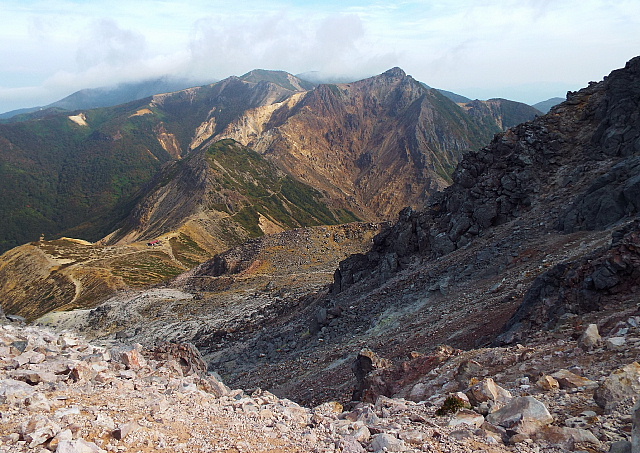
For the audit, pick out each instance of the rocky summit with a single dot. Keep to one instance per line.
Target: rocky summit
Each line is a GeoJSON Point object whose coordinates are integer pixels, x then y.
{"type": "Point", "coordinates": [500, 315]}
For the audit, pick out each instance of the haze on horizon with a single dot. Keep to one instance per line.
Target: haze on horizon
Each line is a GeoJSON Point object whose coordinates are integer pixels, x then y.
{"type": "Point", "coordinates": [525, 50]}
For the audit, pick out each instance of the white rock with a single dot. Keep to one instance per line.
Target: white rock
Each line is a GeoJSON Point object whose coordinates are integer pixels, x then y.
{"type": "Point", "coordinates": [615, 343]}
{"type": "Point", "coordinates": [590, 338]}
{"type": "Point", "coordinates": [524, 415]}
{"type": "Point", "coordinates": [12, 391]}
{"type": "Point", "coordinates": [380, 442]}
{"type": "Point", "coordinates": [77, 446]}
{"type": "Point", "coordinates": [466, 417]}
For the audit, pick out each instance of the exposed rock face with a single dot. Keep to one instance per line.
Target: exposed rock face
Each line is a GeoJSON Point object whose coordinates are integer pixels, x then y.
{"type": "Point", "coordinates": [376, 145]}
{"type": "Point", "coordinates": [582, 285]}
{"type": "Point", "coordinates": [534, 171]}
{"type": "Point", "coordinates": [223, 195]}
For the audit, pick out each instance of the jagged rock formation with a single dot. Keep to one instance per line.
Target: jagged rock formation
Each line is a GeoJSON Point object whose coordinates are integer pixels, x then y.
{"type": "Point", "coordinates": [545, 165]}
{"type": "Point", "coordinates": [375, 145]}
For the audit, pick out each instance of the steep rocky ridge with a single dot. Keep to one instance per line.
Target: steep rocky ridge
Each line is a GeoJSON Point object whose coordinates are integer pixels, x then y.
{"type": "Point", "coordinates": [223, 195]}
{"type": "Point", "coordinates": [377, 145]}
{"type": "Point", "coordinates": [212, 200]}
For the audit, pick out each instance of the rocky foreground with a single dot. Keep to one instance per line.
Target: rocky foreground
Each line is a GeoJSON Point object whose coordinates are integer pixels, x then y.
{"type": "Point", "coordinates": [60, 393]}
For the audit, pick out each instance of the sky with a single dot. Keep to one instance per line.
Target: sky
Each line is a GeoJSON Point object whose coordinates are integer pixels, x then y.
{"type": "Point", "coordinates": [524, 50]}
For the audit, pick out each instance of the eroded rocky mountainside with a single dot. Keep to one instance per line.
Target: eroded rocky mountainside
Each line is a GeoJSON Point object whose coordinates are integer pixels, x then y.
{"type": "Point", "coordinates": [535, 239]}
{"type": "Point", "coordinates": [80, 172]}
{"type": "Point", "coordinates": [222, 195]}
{"type": "Point", "coordinates": [375, 146]}
{"type": "Point", "coordinates": [371, 146]}
{"type": "Point", "coordinates": [502, 112]}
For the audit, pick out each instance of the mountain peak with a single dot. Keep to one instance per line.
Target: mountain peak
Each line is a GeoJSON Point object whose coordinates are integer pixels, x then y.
{"type": "Point", "coordinates": [395, 72]}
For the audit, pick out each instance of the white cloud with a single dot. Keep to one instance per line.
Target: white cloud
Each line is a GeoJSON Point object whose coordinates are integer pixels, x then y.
{"type": "Point", "coordinates": [60, 47]}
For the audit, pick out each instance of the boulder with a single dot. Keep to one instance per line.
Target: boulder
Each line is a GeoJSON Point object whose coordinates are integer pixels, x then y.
{"type": "Point", "coordinates": [568, 380]}
{"type": "Point", "coordinates": [12, 390]}
{"type": "Point", "coordinates": [623, 383]}
{"type": "Point", "coordinates": [77, 446]}
{"type": "Point", "coordinates": [366, 362]}
{"type": "Point", "coordinates": [547, 382]}
{"type": "Point", "coordinates": [387, 442]}
{"type": "Point", "coordinates": [467, 417]}
{"type": "Point", "coordinates": [186, 354]}
{"type": "Point", "coordinates": [132, 359]}
{"type": "Point", "coordinates": [523, 415]}
{"type": "Point", "coordinates": [488, 391]}
{"type": "Point", "coordinates": [38, 429]}
{"type": "Point", "coordinates": [348, 444]}
{"type": "Point", "coordinates": [615, 343]}
{"type": "Point", "coordinates": [564, 438]}
{"type": "Point", "coordinates": [466, 370]}
{"type": "Point", "coordinates": [621, 446]}
{"type": "Point", "coordinates": [590, 338]}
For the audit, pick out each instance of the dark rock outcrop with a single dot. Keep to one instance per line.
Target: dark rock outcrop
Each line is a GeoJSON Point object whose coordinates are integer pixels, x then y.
{"type": "Point", "coordinates": [581, 155]}
{"type": "Point", "coordinates": [581, 286]}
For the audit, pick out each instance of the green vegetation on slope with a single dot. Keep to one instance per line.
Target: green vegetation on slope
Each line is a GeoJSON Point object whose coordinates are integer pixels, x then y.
{"type": "Point", "coordinates": [56, 174]}
{"type": "Point", "coordinates": [259, 188]}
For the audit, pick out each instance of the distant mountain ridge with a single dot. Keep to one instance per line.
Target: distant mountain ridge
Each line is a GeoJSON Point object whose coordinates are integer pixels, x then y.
{"type": "Point", "coordinates": [91, 98]}
{"type": "Point", "coordinates": [377, 144]}
{"type": "Point", "coordinates": [545, 106]}
{"type": "Point", "coordinates": [373, 146]}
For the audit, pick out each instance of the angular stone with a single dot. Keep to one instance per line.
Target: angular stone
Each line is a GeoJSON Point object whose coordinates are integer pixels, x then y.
{"type": "Point", "coordinates": [38, 429]}
{"type": "Point", "coordinates": [387, 442]}
{"type": "Point", "coordinates": [12, 390]}
{"type": "Point", "coordinates": [623, 383]}
{"type": "Point", "coordinates": [34, 377]}
{"type": "Point", "coordinates": [348, 444]}
{"type": "Point", "coordinates": [547, 382]}
{"type": "Point", "coordinates": [590, 338]}
{"type": "Point", "coordinates": [77, 446]}
{"type": "Point", "coordinates": [569, 380]}
{"type": "Point", "coordinates": [466, 370]}
{"type": "Point", "coordinates": [63, 435]}
{"type": "Point", "coordinates": [564, 438]}
{"type": "Point", "coordinates": [488, 391]}
{"type": "Point", "coordinates": [467, 417]}
{"type": "Point", "coordinates": [414, 437]}
{"type": "Point", "coordinates": [621, 446]}
{"type": "Point", "coordinates": [361, 434]}
{"type": "Point", "coordinates": [523, 415]}
{"type": "Point", "coordinates": [363, 414]}
{"type": "Point", "coordinates": [124, 430]}
{"type": "Point", "coordinates": [132, 359]}
{"type": "Point", "coordinates": [105, 422]}
{"type": "Point", "coordinates": [615, 343]}
{"type": "Point", "coordinates": [37, 402]}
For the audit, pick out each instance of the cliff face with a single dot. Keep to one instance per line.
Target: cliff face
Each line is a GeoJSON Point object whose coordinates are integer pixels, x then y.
{"type": "Point", "coordinates": [375, 145]}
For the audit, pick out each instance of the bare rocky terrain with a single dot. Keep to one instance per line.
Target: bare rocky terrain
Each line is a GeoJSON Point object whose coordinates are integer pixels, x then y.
{"type": "Point", "coordinates": [503, 316]}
